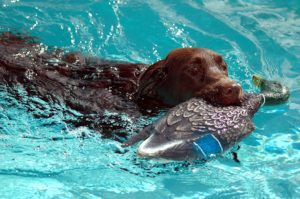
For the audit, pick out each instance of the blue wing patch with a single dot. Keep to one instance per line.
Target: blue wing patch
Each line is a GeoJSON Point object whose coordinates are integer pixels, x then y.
{"type": "Point", "coordinates": [209, 146]}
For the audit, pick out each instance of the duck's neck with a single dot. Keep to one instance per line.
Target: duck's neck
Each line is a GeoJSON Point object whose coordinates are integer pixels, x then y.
{"type": "Point", "coordinates": [252, 102]}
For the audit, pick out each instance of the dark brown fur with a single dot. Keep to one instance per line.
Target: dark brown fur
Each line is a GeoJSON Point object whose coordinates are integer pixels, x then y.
{"type": "Point", "coordinates": [91, 85]}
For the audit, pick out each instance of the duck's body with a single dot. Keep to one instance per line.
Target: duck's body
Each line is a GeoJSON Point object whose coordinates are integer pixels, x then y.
{"type": "Point", "coordinates": [196, 129]}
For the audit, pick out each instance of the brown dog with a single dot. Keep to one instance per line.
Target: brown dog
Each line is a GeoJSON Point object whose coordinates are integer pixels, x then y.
{"type": "Point", "coordinates": [91, 85]}
{"type": "Point", "coordinates": [183, 74]}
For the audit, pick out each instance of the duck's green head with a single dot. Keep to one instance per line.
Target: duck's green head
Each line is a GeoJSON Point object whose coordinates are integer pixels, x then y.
{"type": "Point", "coordinates": [274, 91]}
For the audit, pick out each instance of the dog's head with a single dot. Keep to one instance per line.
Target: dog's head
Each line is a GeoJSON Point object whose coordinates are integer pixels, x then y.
{"type": "Point", "coordinates": [193, 72]}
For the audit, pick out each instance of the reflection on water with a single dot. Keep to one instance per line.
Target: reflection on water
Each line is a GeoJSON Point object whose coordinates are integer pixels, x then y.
{"type": "Point", "coordinates": [46, 157]}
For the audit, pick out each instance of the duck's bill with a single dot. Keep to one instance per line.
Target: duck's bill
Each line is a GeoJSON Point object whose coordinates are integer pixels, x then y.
{"type": "Point", "coordinates": [257, 80]}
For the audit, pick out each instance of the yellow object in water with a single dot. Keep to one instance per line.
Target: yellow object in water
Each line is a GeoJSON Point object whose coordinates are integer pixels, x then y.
{"type": "Point", "coordinates": [257, 80]}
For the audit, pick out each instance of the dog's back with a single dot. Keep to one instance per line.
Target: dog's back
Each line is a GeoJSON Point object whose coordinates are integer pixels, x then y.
{"type": "Point", "coordinates": [87, 84]}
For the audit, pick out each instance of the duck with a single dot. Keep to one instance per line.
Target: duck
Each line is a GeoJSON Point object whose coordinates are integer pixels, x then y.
{"type": "Point", "coordinates": [198, 130]}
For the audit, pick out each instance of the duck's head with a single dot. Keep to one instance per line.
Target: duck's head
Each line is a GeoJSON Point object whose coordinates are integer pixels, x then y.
{"type": "Point", "coordinates": [273, 91]}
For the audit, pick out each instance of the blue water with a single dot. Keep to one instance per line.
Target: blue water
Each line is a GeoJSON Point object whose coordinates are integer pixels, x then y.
{"type": "Point", "coordinates": [252, 36]}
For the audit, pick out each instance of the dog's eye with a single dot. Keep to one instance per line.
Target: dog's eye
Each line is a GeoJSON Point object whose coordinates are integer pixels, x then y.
{"type": "Point", "coordinates": [196, 72]}
{"type": "Point", "coordinates": [193, 69]}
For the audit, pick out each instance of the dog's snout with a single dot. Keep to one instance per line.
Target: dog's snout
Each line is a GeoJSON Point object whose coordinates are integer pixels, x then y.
{"type": "Point", "coordinates": [237, 88]}
{"type": "Point", "coordinates": [234, 89]}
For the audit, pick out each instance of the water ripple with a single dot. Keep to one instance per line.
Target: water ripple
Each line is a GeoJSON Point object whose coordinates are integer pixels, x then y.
{"type": "Point", "coordinates": [42, 155]}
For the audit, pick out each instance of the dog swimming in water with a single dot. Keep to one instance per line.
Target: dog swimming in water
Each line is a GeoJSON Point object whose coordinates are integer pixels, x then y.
{"type": "Point", "coordinates": [91, 85]}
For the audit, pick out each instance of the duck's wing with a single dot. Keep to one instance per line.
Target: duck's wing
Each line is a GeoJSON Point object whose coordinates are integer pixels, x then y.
{"type": "Point", "coordinates": [188, 121]}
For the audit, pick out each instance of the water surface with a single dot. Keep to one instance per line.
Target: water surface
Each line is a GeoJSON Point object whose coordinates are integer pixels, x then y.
{"type": "Point", "coordinates": [252, 36]}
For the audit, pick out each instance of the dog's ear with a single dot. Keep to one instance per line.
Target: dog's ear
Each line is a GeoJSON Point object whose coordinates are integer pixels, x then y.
{"type": "Point", "coordinates": [152, 76]}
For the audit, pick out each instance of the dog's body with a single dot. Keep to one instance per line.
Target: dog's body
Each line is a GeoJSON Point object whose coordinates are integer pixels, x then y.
{"type": "Point", "coordinates": [91, 85]}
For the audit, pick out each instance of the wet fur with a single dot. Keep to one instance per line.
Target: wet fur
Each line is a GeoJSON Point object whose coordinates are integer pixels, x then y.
{"type": "Point", "coordinates": [91, 85]}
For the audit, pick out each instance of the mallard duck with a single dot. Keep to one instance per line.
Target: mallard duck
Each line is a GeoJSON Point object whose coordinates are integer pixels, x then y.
{"type": "Point", "coordinates": [197, 130]}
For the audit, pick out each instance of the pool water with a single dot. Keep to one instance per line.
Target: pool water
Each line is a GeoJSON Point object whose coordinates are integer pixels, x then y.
{"type": "Point", "coordinates": [45, 157]}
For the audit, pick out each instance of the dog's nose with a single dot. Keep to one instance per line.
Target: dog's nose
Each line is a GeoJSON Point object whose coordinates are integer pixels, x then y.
{"type": "Point", "coordinates": [235, 89]}
{"type": "Point", "coordinates": [229, 91]}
